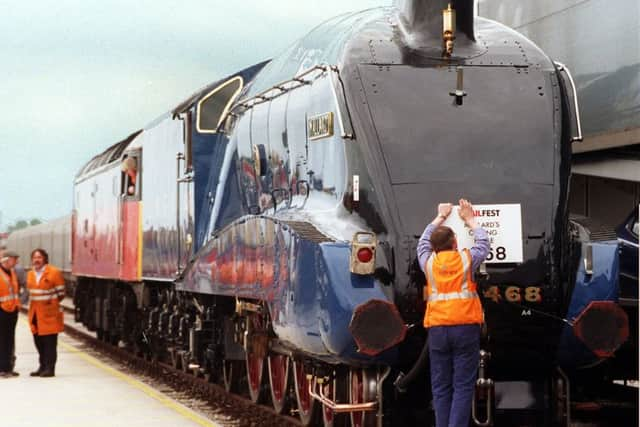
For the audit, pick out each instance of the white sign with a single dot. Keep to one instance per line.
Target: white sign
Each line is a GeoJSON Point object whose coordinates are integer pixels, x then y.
{"type": "Point", "coordinates": [503, 224]}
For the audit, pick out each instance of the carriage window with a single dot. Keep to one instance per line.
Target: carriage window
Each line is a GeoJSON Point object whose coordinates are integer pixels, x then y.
{"type": "Point", "coordinates": [129, 177]}
{"type": "Point", "coordinates": [213, 107]}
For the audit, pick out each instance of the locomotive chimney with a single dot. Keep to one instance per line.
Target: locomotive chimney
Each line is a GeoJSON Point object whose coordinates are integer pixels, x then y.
{"type": "Point", "coordinates": [421, 21]}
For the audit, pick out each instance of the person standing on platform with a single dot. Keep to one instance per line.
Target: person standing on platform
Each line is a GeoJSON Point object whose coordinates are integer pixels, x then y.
{"type": "Point", "coordinates": [9, 307]}
{"type": "Point", "coordinates": [454, 314]}
{"type": "Point", "coordinates": [46, 290]}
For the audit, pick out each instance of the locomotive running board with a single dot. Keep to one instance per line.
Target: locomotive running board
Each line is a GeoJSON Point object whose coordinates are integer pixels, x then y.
{"type": "Point", "coordinates": [340, 407]}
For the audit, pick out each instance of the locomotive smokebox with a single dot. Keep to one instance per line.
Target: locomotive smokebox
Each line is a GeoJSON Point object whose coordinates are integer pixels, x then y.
{"type": "Point", "coordinates": [376, 326]}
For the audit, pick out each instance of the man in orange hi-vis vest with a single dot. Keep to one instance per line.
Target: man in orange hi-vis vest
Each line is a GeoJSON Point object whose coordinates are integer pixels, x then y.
{"type": "Point", "coordinates": [9, 307]}
{"type": "Point", "coordinates": [454, 313]}
{"type": "Point", "coordinates": [46, 289]}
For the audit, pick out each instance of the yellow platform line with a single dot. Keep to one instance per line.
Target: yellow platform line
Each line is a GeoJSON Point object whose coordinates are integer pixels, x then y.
{"type": "Point", "coordinates": [149, 391]}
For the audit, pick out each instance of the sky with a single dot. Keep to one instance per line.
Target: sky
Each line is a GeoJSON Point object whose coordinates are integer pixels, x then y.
{"type": "Point", "coordinates": [79, 75]}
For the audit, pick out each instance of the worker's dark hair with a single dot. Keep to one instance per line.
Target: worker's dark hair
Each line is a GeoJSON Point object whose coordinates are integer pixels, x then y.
{"type": "Point", "coordinates": [44, 254]}
{"type": "Point", "coordinates": [442, 239]}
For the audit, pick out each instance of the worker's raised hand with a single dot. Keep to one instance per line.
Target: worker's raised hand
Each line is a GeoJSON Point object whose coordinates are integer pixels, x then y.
{"type": "Point", "coordinates": [466, 212]}
{"type": "Point", "coordinates": [444, 209]}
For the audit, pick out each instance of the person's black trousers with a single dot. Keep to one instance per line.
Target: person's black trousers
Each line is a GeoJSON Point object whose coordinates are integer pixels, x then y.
{"type": "Point", "coordinates": [7, 339]}
{"type": "Point", "coordinates": [47, 346]}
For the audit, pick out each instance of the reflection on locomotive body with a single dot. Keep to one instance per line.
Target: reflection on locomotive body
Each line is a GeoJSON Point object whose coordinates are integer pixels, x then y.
{"type": "Point", "coordinates": [231, 256]}
{"type": "Point", "coordinates": [627, 233]}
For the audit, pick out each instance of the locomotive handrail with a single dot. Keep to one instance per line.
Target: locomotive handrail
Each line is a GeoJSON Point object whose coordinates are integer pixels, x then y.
{"type": "Point", "coordinates": [120, 242]}
{"type": "Point", "coordinates": [341, 103]}
{"type": "Point", "coordinates": [179, 157]}
{"type": "Point", "coordinates": [487, 385]}
{"type": "Point", "coordinates": [261, 97]}
{"type": "Point", "coordinates": [562, 67]}
{"type": "Point", "coordinates": [489, 412]}
{"type": "Point", "coordinates": [346, 129]}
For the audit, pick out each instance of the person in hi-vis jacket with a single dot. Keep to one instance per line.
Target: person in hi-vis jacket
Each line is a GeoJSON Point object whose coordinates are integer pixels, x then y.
{"type": "Point", "coordinates": [454, 313]}
{"type": "Point", "coordinates": [46, 289]}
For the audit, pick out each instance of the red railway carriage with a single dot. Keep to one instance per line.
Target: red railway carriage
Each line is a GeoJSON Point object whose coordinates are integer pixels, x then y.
{"type": "Point", "coordinates": [107, 215]}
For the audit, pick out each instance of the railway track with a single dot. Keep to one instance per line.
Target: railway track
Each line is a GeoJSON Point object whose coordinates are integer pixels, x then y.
{"type": "Point", "coordinates": [223, 408]}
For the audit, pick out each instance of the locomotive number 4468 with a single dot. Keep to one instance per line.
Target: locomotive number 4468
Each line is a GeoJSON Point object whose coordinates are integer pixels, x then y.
{"type": "Point", "coordinates": [513, 294]}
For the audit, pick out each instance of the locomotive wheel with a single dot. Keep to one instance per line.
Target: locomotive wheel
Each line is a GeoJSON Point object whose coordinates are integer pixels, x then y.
{"type": "Point", "coordinates": [306, 404]}
{"type": "Point", "coordinates": [278, 366]}
{"type": "Point", "coordinates": [361, 389]}
{"type": "Point", "coordinates": [232, 371]}
{"type": "Point", "coordinates": [255, 369]}
{"type": "Point", "coordinates": [255, 356]}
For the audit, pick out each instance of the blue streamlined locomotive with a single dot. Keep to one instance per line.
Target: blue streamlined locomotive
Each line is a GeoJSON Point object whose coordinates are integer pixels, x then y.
{"type": "Point", "coordinates": [264, 231]}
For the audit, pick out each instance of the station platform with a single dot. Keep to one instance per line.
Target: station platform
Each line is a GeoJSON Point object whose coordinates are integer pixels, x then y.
{"type": "Point", "coordinates": [85, 392]}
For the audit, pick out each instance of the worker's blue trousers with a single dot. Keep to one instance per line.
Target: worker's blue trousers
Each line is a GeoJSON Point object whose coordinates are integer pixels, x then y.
{"type": "Point", "coordinates": [454, 352]}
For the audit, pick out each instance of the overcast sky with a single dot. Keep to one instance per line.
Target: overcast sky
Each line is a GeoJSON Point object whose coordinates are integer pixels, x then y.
{"type": "Point", "coordinates": [78, 75]}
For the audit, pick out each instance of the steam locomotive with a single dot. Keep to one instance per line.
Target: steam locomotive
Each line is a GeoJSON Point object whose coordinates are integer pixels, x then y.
{"type": "Point", "coordinates": [263, 232]}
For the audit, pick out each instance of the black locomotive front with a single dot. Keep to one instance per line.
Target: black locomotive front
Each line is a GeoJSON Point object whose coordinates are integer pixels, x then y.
{"type": "Point", "coordinates": [491, 123]}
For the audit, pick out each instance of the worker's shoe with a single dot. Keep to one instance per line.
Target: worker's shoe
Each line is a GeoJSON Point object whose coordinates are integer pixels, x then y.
{"type": "Point", "coordinates": [47, 373]}
{"type": "Point", "coordinates": [8, 374]}
{"type": "Point", "coordinates": [36, 373]}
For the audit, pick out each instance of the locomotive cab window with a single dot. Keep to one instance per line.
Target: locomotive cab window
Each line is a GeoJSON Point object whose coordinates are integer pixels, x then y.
{"type": "Point", "coordinates": [215, 105]}
{"type": "Point", "coordinates": [129, 176]}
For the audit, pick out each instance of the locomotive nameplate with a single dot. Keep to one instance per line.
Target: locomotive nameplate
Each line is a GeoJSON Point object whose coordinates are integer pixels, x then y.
{"type": "Point", "coordinates": [320, 126]}
{"type": "Point", "coordinates": [503, 223]}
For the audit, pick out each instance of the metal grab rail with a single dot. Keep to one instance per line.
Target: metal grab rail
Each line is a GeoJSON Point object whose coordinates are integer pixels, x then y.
{"type": "Point", "coordinates": [485, 384]}
{"type": "Point", "coordinates": [267, 95]}
{"type": "Point", "coordinates": [562, 67]}
{"type": "Point", "coordinates": [342, 110]}
{"type": "Point", "coordinates": [489, 413]}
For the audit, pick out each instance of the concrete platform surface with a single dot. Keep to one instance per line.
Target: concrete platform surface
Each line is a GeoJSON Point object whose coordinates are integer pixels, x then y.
{"type": "Point", "coordinates": [84, 392]}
